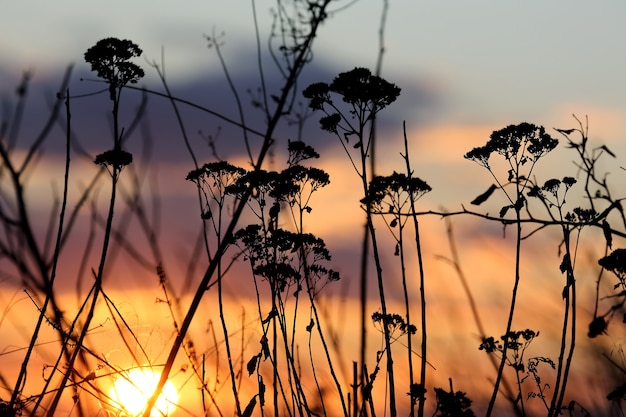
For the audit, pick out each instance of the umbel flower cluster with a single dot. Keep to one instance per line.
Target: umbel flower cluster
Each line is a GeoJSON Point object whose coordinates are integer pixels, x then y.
{"type": "Point", "coordinates": [520, 143]}
{"type": "Point", "coordinates": [110, 59]}
{"type": "Point", "coordinates": [282, 257]}
{"type": "Point", "coordinates": [366, 94]}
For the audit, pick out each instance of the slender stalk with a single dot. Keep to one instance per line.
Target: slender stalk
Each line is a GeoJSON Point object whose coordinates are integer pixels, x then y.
{"type": "Point", "coordinates": [509, 324]}
{"type": "Point", "coordinates": [27, 232]}
{"type": "Point", "coordinates": [99, 275]}
{"type": "Point", "coordinates": [365, 246]}
{"type": "Point", "coordinates": [55, 257]}
{"type": "Point", "coordinates": [569, 295]}
{"type": "Point", "coordinates": [366, 236]}
{"type": "Point", "coordinates": [383, 308]}
{"type": "Point", "coordinates": [418, 247]}
{"type": "Point", "coordinates": [456, 264]}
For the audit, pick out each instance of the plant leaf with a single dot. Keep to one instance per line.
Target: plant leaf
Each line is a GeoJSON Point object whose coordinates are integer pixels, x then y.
{"type": "Point", "coordinates": [607, 150]}
{"type": "Point", "coordinates": [261, 392]}
{"type": "Point", "coordinates": [565, 264]}
{"type": "Point", "coordinates": [484, 196]}
{"type": "Point", "coordinates": [265, 347]}
{"type": "Point", "coordinates": [310, 326]}
{"type": "Point", "coordinates": [249, 408]}
{"type": "Point", "coordinates": [251, 365]}
{"type": "Point", "coordinates": [565, 131]}
{"type": "Point", "coordinates": [608, 236]}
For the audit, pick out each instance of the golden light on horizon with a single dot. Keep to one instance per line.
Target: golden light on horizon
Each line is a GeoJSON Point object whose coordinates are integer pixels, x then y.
{"type": "Point", "coordinates": [130, 393]}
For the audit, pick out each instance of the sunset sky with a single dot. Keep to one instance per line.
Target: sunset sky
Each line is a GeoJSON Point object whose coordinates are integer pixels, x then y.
{"type": "Point", "coordinates": [465, 69]}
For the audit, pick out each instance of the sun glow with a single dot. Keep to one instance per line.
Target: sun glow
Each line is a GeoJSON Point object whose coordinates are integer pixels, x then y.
{"type": "Point", "coordinates": [131, 392]}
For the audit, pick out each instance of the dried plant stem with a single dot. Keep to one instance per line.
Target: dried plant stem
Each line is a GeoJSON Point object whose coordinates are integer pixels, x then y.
{"type": "Point", "coordinates": [569, 297]}
{"type": "Point", "coordinates": [456, 264]}
{"type": "Point", "coordinates": [383, 309]}
{"type": "Point", "coordinates": [25, 227]}
{"type": "Point", "coordinates": [509, 323]}
{"type": "Point", "coordinates": [365, 246]}
{"type": "Point", "coordinates": [420, 263]}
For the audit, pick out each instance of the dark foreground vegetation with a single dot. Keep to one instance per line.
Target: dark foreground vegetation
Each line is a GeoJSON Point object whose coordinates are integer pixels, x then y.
{"type": "Point", "coordinates": [256, 215]}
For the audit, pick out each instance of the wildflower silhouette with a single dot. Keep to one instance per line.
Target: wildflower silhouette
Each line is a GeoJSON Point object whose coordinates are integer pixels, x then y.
{"type": "Point", "coordinates": [550, 193]}
{"type": "Point", "coordinates": [394, 323]}
{"type": "Point", "coordinates": [615, 262]}
{"type": "Point", "coordinates": [452, 404]}
{"type": "Point", "coordinates": [212, 179]}
{"type": "Point", "coordinates": [552, 186]}
{"type": "Point", "coordinates": [109, 58]}
{"type": "Point", "coordinates": [511, 348]}
{"type": "Point", "coordinates": [532, 370]}
{"type": "Point", "coordinates": [520, 145]}
{"type": "Point", "coordinates": [390, 194]}
{"type": "Point", "coordinates": [366, 95]}
{"type": "Point", "coordinates": [116, 158]}
{"type": "Point", "coordinates": [270, 249]}
{"type": "Point", "coordinates": [289, 262]}
{"type": "Point", "coordinates": [299, 151]}
{"type": "Point", "coordinates": [363, 95]}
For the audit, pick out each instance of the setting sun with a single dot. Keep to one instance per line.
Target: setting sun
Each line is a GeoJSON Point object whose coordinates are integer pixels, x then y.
{"type": "Point", "coordinates": [131, 392]}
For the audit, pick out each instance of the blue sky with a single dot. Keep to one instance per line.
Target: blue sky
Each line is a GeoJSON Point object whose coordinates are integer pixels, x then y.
{"type": "Point", "coordinates": [488, 57]}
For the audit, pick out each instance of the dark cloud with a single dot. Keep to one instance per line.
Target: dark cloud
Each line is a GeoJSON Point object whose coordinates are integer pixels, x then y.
{"type": "Point", "coordinates": [160, 131]}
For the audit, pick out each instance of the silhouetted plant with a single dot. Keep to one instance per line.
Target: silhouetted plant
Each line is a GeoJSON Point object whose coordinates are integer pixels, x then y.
{"type": "Point", "coordinates": [553, 196]}
{"type": "Point", "coordinates": [271, 253]}
{"type": "Point", "coordinates": [513, 345]}
{"type": "Point", "coordinates": [300, 151]}
{"type": "Point", "coordinates": [389, 197]}
{"type": "Point", "coordinates": [394, 323]}
{"type": "Point", "coordinates": [614, 262]}
{"type": "Point", "coordinates": [532, 370]}
{"type": "Point", "coordinates": [364, 96]}
{"type": "Point", "coordinates": [70, 370]}
{"type": "Point", "coordinates": [289, 263]}
{"type": "Point", "coordinates": [296, 34]}
{"type": "Point", "coordinates": [213, 179]}
{"type": "Point", "coordinates": [521, 146]}
{"type": "Point", "coordinates": [602, 204]}
{"type": "Point", "coordinates": [452, 404]}
{"type": "Point", "coordinates": [390, 194]}
{"type": "Point", "coordinates": [110, 59]}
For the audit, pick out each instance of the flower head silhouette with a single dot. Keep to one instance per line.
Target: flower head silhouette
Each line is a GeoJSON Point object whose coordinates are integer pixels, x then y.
{"type": "Point", "coordinates": [109, 58]}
